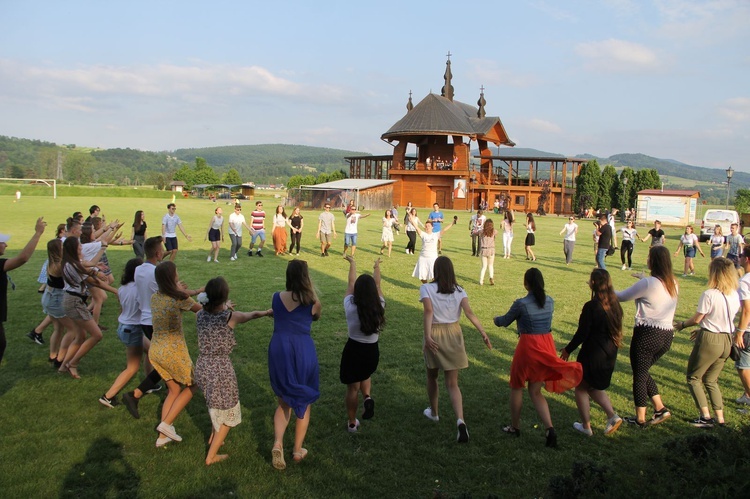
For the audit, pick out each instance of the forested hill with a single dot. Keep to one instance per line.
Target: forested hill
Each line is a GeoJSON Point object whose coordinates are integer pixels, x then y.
{"type": "Point", "coordinates": [268, 154]}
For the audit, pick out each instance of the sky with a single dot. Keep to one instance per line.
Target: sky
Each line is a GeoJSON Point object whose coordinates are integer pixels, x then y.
{"type": "Point", "coordinates": [666, 78]}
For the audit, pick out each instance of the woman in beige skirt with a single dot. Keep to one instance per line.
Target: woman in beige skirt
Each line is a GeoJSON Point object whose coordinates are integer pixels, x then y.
{"type": "Point", "coordinates": [443, 300]}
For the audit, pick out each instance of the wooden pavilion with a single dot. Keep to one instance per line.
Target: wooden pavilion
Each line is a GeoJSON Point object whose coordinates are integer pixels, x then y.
{"type": "Point", "coordinates": [442, 170]}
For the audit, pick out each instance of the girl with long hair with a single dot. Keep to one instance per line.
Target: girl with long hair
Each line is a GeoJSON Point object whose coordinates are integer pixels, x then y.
{"type": "Point", "coordinates": [138, 236]}
{"type": "Point", "coordinates": [530, 237]}
{"type": "Point", "coordinates": [487, 250]}
{"type": "Point", "coordinates": [168, 353]}
{"type": "Point", "coordinates": [78, 281]}
{"type": "Point", "coordinates": [292, 359]}
{"type": "Point", "coordinates": [716, 242]}
{"type": "Point", "coordinates": [507, 226]}
{"type": "Point", "coordinates": [386, 237]}
{"type": "Point", "coordinates": [599, 335]}
{"type": "Point", "coordinates": [429, 252]}
{"type": "Point", "coordinates": [52, 302]}
{"type": "Point", "coordinates": [627, 244]}
{"type": "Point", "coordinates": [279, 230]}
{"type": "Point", "coordinates": [214, 372]}
{"type": "Point", "coordinates": [713, 341]}
{"type": "Point", "coordinates": [364, 307]}
{"type": "Point", "coordinates": [689, 243]}
{"type": "Point", "coordinates": [296, 224]}
{"type": "Point", "coordinates": [443, 301]}
{"type": "Point", "coordinates": [128, 330]}
{"type": "Point", "coordinates": [535, 360]}
{"type": "Point", "coordinates": [411, 221]}
{"type": "Point", "coordinates": [215, 234]}
{"type": "Point", "coordinates": [655, 304]}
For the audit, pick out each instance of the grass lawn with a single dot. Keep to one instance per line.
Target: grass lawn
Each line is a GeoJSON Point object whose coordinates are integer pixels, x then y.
{"type": "Point", "coordinates": [57, 440]}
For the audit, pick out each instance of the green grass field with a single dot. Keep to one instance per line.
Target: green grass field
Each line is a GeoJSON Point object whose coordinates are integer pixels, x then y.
{"type": "Point", "coordinates": [57, 440]}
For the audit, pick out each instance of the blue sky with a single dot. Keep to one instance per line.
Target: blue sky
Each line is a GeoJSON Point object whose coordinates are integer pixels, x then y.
{"type": "Point", "coordinates": [667, 78]}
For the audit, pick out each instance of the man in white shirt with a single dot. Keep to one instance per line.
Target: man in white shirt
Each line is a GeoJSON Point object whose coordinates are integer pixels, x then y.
{"type": "Point", "coordinates": [326, 229]}
{"type": "Point", "coordinates": [350, 232]}
{"type": "Point", "coordinates": [476, 224]}
{"type": "Point", "coordinates": [569, 240]}
{"type": "Point", "coordinates": [236, 222]}
{"type": "Point", "coordinates": [169, 224]}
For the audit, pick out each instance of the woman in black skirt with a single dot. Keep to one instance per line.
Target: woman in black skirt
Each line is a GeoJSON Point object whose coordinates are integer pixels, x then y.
{"type": "Point", "coordinates": [599, 334]}
{"type": "Point", "coordinates": [530, 237]}
{"type": "Point", "coordinates": [364, 307]}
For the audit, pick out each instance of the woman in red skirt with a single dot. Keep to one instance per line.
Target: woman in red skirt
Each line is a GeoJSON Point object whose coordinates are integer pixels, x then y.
{"type": "Point", "coordinates": [535, 359]}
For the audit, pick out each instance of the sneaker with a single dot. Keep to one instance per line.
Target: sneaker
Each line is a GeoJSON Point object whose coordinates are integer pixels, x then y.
{"type": "Point", "coordinates": [661, 416]}
{"type": "Point", "coordinates": [155, 389]}
{"type": "Point", "coordinates": [744, 400]}
{"type": "Point", "coordinates": [353, 427]}
{"type": "Point", "coordinates": [463, 433]}
{"type": "Point", "coordinates": [259, 253]}
{"type": "Point", "coordinates": [111, 403]}
{"type": "Point", "coordinates": [586, 431]}
{"type": "Point", "coordinates": [216, 261]}
{"type": "Point", "coordinates": [162, 441]}
{"type": "Point", "coordinates": [369, 408]}
{"type": "Point", "coordinates": [35, 337]}
{"type": "Point", "coordinates": [209, 258]}
{"type": "Point", "coordinates": [407, 252]}
{"type": "Point", "coordinates": [428, 414]}
{"type": "Point", "coordinates": [633, 420]}
{"type": "Point", "coordinates": [624, 267]}
{"type": "Point", "coordinates": [511, 430]}
{"type": "Point", "coordinates": [250, 253]}
{"type": "Point", "coordinates": [129, 400]}
{"type": "Point", "coordinates": [702, 422]}
{"type": "Point", "coordinates": [168, 431]}
{"type": "Point", "coordinates": [613, 424]}
{"type": "Point", "coordinates": [551, 438]}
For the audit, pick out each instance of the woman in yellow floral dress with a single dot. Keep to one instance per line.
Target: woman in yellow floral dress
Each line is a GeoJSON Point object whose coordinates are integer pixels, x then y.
{"type": "Point", "coordinates": [169, 354]}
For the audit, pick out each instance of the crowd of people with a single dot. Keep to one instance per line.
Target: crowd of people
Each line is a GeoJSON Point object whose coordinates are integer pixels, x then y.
{"type": "Point", "coordinates": [153, 300]}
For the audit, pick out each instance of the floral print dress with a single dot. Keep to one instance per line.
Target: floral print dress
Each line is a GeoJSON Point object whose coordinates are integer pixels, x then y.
{"type": "Point", "coordinates": [169, 353]}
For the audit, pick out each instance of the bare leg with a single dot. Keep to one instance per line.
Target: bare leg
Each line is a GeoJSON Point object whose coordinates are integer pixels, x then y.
{"type": "Point", "coordinates": [300, 430]}
{"type": "Point", "coordinates": [540, 403]}
{"type": "Point", "coordinates": [516, 401]}
{"type": "Point", "coordinates": [56, 338]}
{"type": "Point", "coordinates": [95, 335]}
{"type": "Point", "coordinates": [134, 355]}
{"type": "Point", "coordinates": [582, 401]}
{"type": "Point", "coordinates": [352, 401]}
{"type": "Point", "coordinates": [601, 398]}
{"type": "Point", "coordinates": [432, 390]}
{"type": "Point", "coordinates": [217, 439]}
{"type": "Point", "coordinates": [280, 422]}
{"type": "Point", "coordinates": [454, 392]}
{"type": "Point", "coordinates": [179, 404]}
{"type": "Point", "coordinates": [745, 379]}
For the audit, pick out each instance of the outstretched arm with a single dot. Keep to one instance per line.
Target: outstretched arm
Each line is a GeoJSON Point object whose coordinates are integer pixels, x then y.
{"type": "Point", "coordinates": [475, 320]}
{"type": "Point", "coordinates": [352, 275]}
{"type": "Point", "coordinates": [28, 250]}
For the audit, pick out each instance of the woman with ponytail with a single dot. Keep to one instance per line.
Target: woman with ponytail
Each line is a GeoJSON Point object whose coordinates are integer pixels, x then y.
{"type": "Point", "coordinates": [599, 335]}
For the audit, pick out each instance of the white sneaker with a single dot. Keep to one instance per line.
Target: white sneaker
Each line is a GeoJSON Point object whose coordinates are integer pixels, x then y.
{"type": "Point", "coordinates": [209, 258]}
{"type": "Point", "coordinates": [407, 252]}
{"type": "Point", "coordinates": [613, 424]}
{"type": "Point", "coordinates": [586, 431]}
{"type": "Point", "coordinates": [624, 267]}
{"type": "Point", "coordinates": [216, 261]}
{"type": "Point", "coordinates": [744, 400]}
{"type": "Point", "coordinates": [168, 431]}
{"type": "Point", "coordinates": [428, 414]}
{"type": "Point", "coordinates": [353, 428]}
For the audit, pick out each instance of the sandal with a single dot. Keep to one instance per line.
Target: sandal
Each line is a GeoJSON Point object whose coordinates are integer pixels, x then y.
{"type": "Point", "coordinates": [73, 370]}
{"type": "Point", "coordinates": [512, 430]}
{"type": "Point", "coordinates": [277, 458]}
{"type": "Point", "coordinates": [299, 455]}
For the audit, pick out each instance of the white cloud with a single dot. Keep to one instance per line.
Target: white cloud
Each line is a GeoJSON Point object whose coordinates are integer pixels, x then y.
{"type": "Point", "coordinates": [554, 11]}
{"type": "Point", "coordinates": [703, 22]}
{"type": "Point", "coordinates": [617, 56]}
{"type": "Point", "coordinates": [737, 109]}
{"type": "Point", "coordinates": [543, 125]}
{"type": "Point", "coordinates": [623, 7]}
{"type": "Point", "coordinates": [487, 72]}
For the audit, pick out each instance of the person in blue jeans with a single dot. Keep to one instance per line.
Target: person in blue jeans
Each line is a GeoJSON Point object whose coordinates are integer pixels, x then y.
{"type": "Point", "coordinates": [605, 241]}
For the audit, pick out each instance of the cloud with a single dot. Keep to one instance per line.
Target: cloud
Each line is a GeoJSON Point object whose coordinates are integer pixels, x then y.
{"type": "Point", "coordinates": [88, 88]}
{"type": "Point", "coordinates": [703, 22]}
{"type": "Point", "coordinates": [487, 72]}
{"type": "Point", "coordinates": [623, 7]}
{"type": "Point", "coordinates": [543, 126]}
{"type": "Point", "coordinates": [737, 109]}
{"type": "Point", "coordinates": [554, 11]}
{"type": "Point", "coordinates": [617, 56]}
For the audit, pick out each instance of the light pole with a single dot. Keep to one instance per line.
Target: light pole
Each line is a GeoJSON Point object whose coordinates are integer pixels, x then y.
{"type": "Point", "coordinates": [730, 172]}
{"type": "Point", "coordinates": [625, 198]}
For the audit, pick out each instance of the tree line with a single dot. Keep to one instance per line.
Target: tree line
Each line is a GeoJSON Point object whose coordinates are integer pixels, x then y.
{"type": "Point", "coordinates": [603, 189]}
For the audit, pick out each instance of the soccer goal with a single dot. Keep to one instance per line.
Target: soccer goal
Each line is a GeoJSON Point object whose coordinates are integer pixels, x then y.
{"type": "Point", "coordinates": [49, 182]}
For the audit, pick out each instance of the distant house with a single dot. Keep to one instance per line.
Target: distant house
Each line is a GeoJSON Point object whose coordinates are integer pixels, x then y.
{"type": "Point", "coordinates": [368, 194]}
{"type": "Point", "coordinates": [177, 186]}
{"type": "Point", "coordinates": [676, 207]}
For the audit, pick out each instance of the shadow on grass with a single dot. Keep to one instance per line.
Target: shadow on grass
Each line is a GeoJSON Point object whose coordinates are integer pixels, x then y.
{"type": "Point", "coordinates": [104, 472]}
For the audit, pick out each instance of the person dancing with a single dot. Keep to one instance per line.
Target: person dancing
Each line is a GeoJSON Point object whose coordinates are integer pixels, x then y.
{"type": "Point", "coordinates": [487, 250]}
{"type": "Point", "coordinates": [507, 226]}
{"type": "Point", "coordinates": [215, 234]}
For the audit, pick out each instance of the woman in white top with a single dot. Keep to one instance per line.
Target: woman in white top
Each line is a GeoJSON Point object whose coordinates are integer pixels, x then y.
{"type": "Point", "coordinates": [530, 237]}
{"type": "Point", "coordinates": [716, 242]}
{"type": "Point", "coordinates": [429, 253]}
{"type": "Point", "coordinates": [716, 310]}
{"type": "Point", "coordinates": [411, 220]}
{"type": "Point", "coordinates": [279, 230]}
{"type": "Point", "coordinates": [689, 242]}
{"type": "Point", "coordinates": [507, 232]}
{"type": "Point", "coordinates": [364, 307]}
{"type": "Point", "coordinates": [655, 303]}
{"type": "Point", "coordinates": [628, 244]}
{"type": "Point", "coordinates": [443, 345]}
{"type": "Point", "coordinates": [387, 235]}
{"type": "Point", "coordinates": [215, 234]}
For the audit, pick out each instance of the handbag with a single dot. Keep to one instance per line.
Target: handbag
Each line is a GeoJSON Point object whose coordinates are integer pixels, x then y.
{"type": "Point", "coordinates": [735, 351]}
{"type": "Point", "coordinates": [610, 250]}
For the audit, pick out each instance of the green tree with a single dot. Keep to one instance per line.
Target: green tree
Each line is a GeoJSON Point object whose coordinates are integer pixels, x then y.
{"type": "Point", "coordinates": [322, 178]}
{"type": "Point", "coordinates": [295, 181]}
{"type": "Point", "coordinates": [232, 177]}
{"type": "Point", "coordinates": [337, 175]}
{"type": "Point", "coordinates": [204, 174]}
{"type": "Point", "coordinates": [77, 167]}
{"type": "Point", "coordinates": [587, 186]}
{"type": "Point", "coordinates": [607, 184]}
{"type": "Point", "coordinates": [647, 178]}
{"type": "Point", "coordinates": [626, 188]}
{"type": "Point", "coordinates": [185, 174]}
{"type": "Point", "coordinates": [742, 201]}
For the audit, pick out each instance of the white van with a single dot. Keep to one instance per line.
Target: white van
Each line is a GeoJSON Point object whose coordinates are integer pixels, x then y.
{"type": "Point", "coordinates": [712, 218]}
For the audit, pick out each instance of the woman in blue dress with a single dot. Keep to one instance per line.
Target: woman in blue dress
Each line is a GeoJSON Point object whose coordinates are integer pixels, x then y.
{"type": "Point", "coordinates": [292, 360]}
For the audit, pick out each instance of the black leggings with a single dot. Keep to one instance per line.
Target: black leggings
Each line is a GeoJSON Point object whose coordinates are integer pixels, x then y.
{"type": "Point", "coordinates": [648, 345]}
{"type": "Point", "coordinates": [412, 240]}
{"type": "Point", "coordinates": [295, 237]}
{"type": "Point", "coordinates": [2, 341]}
{"type": "Point", "coordinates": [626, 247]}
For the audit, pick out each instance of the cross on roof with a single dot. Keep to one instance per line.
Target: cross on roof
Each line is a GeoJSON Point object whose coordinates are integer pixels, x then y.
{"type": "Point", "coordinates": [449, 55]}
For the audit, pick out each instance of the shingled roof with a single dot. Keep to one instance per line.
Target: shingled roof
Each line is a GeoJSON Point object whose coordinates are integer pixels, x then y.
{"type": "Point", "coordinates": [437, 115]}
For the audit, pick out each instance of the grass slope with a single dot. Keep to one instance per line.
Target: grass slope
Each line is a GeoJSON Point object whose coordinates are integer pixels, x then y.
{"type": "Point", "coordinates": [57, 440]}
